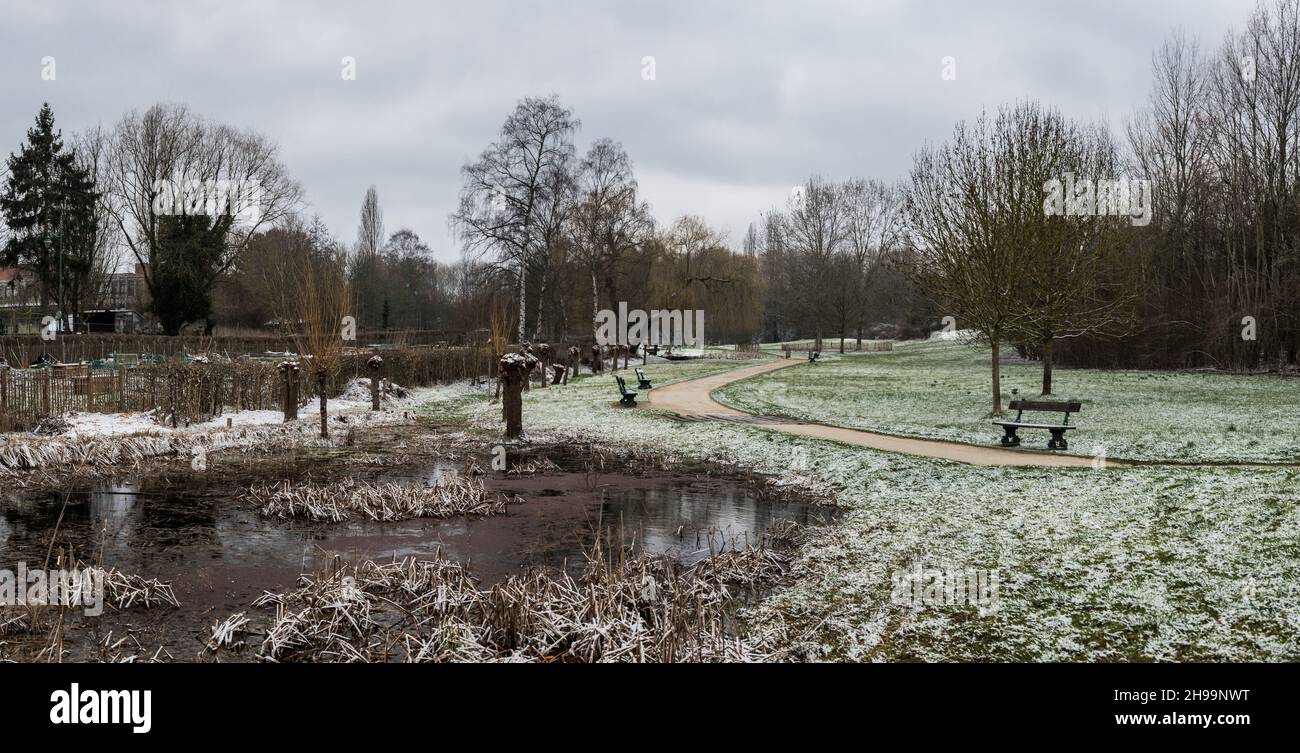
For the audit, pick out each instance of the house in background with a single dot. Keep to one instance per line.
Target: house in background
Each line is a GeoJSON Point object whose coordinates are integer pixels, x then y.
{"type": "Point", "coordinates": [123, 290]}
{"type": "Point", "coordinates": [116, 308]}
{"type": "Point", "coordinates": [121, 297]}
{"type": "Point", "coordinates": [20, 301]}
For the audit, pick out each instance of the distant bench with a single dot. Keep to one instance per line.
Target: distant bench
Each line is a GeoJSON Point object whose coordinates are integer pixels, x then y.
{"type": "Point", "coordinates": [628, 396]}
{"type": "Point", "coordinates": [642, 382]}
{"type": "Point", "coordinates": [1057, 442]}
{"type": "Point", "coordinates": [813, 355]}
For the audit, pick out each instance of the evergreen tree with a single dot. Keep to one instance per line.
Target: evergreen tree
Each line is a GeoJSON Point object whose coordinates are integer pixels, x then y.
{"type": "Point", "coordinates": [189, 247]}
{"type": "Point", "coordinates": [48, 202]}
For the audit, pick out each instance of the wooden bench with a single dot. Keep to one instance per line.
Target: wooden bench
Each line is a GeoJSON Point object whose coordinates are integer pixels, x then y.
{"type": "Point", "coordinates": [643, 383]}
{"type": "Point", "coordinates": [813, 355]}
{"type": "Point", "coordinates": [1057, 442]}
{"type": "Point", "coordinates": [628, 396]}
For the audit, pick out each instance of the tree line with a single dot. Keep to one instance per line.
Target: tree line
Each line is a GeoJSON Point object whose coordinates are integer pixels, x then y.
{"type": "Point", "coordinates": [1171, 245]}
{"type": "Point", "coordinates": [564, 236]}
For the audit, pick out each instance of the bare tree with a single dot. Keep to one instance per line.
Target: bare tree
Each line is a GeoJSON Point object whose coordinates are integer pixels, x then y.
{"type": "Point", "coordinates": [370, 232]}
{"type": "Point", "coordinates": [321, 300]}
{"type": "Point", "coordinates": [503, 191]}
{"type": "Point", "coordinates": [365, 272]}
{"type": "Point", "coordinates": [816, 227]}
{"type": "Point", "coordinates": [965, 244]}
{"type": "Point", "coordinates": [1255, 116]}
{"type": "Point", "coordinates": [1073, 270]}
{"type": "Point", "coordinates": [873, 223]}
{"type": "Point", "coordinates": [609, 221]}
{"type": "Point", "coordinates": [102, 254]}
{"type": "Point", "coordinates": [168, 146]}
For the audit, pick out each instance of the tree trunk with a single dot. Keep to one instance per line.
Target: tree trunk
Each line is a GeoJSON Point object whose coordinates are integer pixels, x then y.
{"type": "Point", "coordinates": [595, 305]}
{"type": "Point", "coordinates": [539, 323]}
{"type": "Point", "coordinates": [523, 308]}
{"type": "Point", "coordinates": [290, 395]}
{"type": "Point", "coordinates": [1047, 367]}
{"type": "Point", "coordinates": [512, 404]}
{"type": "Point", "coordinates": [997, 377]}
{"type": "Point", "coordinates": [320, 385]}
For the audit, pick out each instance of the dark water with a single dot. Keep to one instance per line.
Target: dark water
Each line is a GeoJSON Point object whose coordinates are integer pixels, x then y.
{"type": "Point", "coordinates": [220, 555]}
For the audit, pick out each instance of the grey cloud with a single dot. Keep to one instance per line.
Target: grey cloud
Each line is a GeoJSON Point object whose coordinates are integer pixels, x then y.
{"type": "Point", "coordinates": [749, 98]}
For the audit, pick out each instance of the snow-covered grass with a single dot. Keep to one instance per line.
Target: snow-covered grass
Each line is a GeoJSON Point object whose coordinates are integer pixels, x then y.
{"type": "Point", "coordinates": [941, 390]}
{"type": "Point", "coordinates": [1140, 563]}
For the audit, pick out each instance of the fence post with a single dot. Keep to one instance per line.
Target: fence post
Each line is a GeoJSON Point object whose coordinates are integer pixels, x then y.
{"type": "Point", "coordinates": [290, 371]}
{"type": "Point", "coordinates": [376, 365]}
{"type": "Point", "coordinates": [46, 374]}
{"type": "Point", "coordinates": [120, 384]}
{"type": "Point", "coordinates": [4, 397]}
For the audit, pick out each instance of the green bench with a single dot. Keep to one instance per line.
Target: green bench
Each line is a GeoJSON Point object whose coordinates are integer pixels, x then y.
{"type": "Point", "coordinates": [628, 398]}
{"type": "Point", "coordinates": [1057, 442]}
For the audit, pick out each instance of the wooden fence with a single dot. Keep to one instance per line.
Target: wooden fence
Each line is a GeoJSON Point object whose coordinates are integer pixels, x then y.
{"type": "Point", "coordinates": [22, 350]}
{"type": "Point", "coordinates": [197, 392]}
{"type": "Point", "coordinates": [829, 346]}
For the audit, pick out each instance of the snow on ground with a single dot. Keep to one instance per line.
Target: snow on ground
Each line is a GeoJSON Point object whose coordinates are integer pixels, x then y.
{"type": "Point", "coordinates": [940, 390]}
{"type": "Point", "coordinates": [1114, 564]}
{"type": "Point", "coordinates": [108, 424]}
{"type": "Point", "coordinates": [354, 398]}
{"type": "Point", "coordinates": [244, 418]}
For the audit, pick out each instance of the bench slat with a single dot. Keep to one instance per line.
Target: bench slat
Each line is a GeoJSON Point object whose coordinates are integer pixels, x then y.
{"type": "Point", "coordinates": [1046, 406]}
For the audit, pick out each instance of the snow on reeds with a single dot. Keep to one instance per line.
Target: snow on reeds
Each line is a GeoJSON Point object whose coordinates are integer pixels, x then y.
{"type": "Point", "coordinates": [451, 496]}
{"type": "Point", "coordinates": [624, 607]}
{"type": "Point", "coordinates": [124, 590]}
{"type": "Point", "coordinates": [25, 453]}
{"type": "Point", "coordinates": [755, 566]}
{"type": "Point", "coordinates": [225, 632]}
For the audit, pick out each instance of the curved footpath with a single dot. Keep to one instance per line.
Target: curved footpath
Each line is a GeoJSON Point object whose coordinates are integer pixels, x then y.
{"type": "Point", "coordinates": [691, 399]}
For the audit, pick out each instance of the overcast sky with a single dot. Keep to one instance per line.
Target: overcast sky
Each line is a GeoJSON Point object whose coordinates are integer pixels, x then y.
{"type": "Point", "coordinates": [749, 97]}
